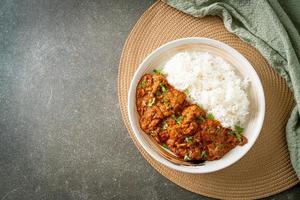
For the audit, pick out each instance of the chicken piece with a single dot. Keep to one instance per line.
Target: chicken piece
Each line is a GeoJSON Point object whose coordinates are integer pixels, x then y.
{"type": "Point", "coordinates": [146, 91]}
{"type": "Point", "coordinates": [192, 115]}
{"type": "Point", "coordinates": [151, 118]}
{"type": "Point", "coordinates": [170, 101]}
{"type": "Point", "coordinates": [174, 99]}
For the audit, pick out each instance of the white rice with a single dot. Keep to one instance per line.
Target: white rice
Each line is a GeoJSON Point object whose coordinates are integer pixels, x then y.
{"type": "Point", "coordinates": [212, 84]}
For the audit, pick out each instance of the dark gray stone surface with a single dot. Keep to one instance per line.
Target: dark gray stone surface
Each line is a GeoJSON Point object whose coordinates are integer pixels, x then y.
{"type": "Point", "coordinates": [61, 132]}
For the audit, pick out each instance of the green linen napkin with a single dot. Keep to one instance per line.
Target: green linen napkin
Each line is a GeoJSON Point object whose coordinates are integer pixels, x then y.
{"type": "Point", "coordinates": [266, 26]}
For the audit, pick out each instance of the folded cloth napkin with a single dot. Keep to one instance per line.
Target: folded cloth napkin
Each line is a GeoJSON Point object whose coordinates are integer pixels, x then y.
{"type": "Point", "coordinates": [267, 27]}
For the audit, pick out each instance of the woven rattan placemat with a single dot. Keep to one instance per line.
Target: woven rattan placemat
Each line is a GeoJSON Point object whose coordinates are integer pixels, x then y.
{"type": "Point", "coordinates": [266, 168]}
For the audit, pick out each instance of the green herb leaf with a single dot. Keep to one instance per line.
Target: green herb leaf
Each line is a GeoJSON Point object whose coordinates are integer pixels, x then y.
{"type": "Point", "coordinates": [166, 102]}
{"type": "Point", "coordinates": [203, 154]}
{"type": "Point", "coordinates": [237, 132]}
{"type": "Point", "coordinates": [165, 145]}
{"type": "Point", "coordinates": [187, 92]}
{"type": "Point", "coordinates": [158, 93]}
{"type": "Point", "coordinates": [165, 125]}
{"type": "Point", "coordinates": [200, 119]}
{"type": "Point", "coordinates": [153, 133]}
{"type": "Point", "coordinates": [238, 129]}
{"type": "Point", "coordinates": [186, 158]}
{"type": "Point", "coordinates": [143, 84]}
{"type": "Point", "coordinates": [151, 102]}
{"type": "Point", "coordinates": [157, 71]}
{"type": "Point", "coordinates": [163, 88]}
{"type": "Point", "coordinates": [189, 139]}
{"type": "Point", "coordinates": [210, 116]}
{"type": "Point", "coordinates": [177, 119]}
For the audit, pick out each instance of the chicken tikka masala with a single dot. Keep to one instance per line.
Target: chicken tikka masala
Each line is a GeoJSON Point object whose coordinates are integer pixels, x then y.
{"type": "Point", "coordinates": [180, 126]}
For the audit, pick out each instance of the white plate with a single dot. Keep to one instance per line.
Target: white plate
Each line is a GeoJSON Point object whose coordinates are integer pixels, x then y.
{"type": "Point", "coordinates": [255, 93]}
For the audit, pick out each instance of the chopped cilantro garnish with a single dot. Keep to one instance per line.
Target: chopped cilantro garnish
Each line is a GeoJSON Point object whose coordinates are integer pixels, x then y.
{"type": "Point", "coordinates": [200, 119]}
{"type": "Point", "coordinates": [189, 139]}
{"type": "Point", "coordinates": [174, 117]}
{"type": "Point", "coordinates": [153, 133]}
{"type": "Point", "coordinates": [238, 129]}
{"type": "Point", "coordinates": [165, 145]}
{"type": "Point", "coordinates": [166, 102]}
{"type": "Point", "coordinates": [143, 84]}
{"type": "Point", "coordinates": [158, 93]}
{"type": "Point", "coordinates": [165, 125]}
{"type": "Point", "coordinates": [237, 132]}
{"type": "Point", "coordinates": [157, 71]}
{"type": "Point", "coordinates": [203, 154]}
{"type": "Point", "coordinates": [151, 102]}
{"type": "Point", "coordinates": [163, 88]}
{"type": "Point", "coordinates": [186, 158]}
{"type": "Point", "coordinates": [187, 92]}
{"type": "Point", "coordinates": [210, 116]}
{"type": "Point", "coordinates": [177, 119]}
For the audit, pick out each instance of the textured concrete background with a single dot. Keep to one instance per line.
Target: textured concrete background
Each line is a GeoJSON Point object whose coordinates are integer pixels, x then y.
{"type": "Point", "coordinates": [61, 132]}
